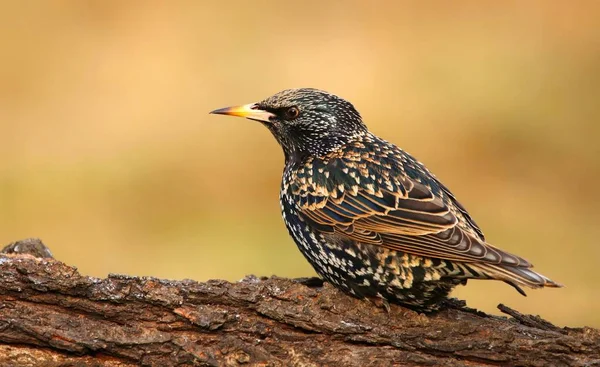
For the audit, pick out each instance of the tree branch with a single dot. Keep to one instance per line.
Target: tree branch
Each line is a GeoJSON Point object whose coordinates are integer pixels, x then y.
{"type": "Point", "coordinates": [51, 315]}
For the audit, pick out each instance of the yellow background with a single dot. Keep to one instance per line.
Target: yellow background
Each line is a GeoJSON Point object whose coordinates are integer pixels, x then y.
{"type": "Point", "coordinates": [108, 154]}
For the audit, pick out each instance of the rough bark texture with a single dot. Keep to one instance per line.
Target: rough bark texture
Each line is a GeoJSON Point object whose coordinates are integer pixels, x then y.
{"type": "Point", "coordinates": [50, 315]}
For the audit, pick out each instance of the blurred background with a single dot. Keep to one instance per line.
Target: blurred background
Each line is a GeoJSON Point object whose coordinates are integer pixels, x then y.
{"type": "Point", "coordinates": [108, 154]}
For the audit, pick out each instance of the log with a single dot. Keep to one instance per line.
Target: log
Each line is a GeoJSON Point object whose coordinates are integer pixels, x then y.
{"type": "Point", "coordinates": [50, 315]}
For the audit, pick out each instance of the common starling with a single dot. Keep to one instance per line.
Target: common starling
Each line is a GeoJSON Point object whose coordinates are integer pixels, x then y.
{"type": "Point", "coordinates": [370, 218]}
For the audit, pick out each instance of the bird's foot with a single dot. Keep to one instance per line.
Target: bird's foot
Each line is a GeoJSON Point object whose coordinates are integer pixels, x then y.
{"type": "Point", "coordinates": [381, 303]}
{"type": "Point", "coordinates": [459, 304]}
{"type": "Point", "coordinates": [454, 303]}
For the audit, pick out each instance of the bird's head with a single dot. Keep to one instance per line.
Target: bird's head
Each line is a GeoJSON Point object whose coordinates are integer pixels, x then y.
{"type": "Point", "coordinates": [306, 122]}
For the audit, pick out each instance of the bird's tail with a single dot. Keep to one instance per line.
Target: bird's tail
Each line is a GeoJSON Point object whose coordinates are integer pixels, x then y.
{"type": "Point", "coordinates": [516, 276]}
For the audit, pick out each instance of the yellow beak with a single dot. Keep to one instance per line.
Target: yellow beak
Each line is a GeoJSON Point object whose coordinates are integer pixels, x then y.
{"type": "Point", "coordinates": [249, 111]}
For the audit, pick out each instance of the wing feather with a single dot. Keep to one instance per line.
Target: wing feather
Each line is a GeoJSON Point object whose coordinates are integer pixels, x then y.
{"type": "Point", "coordinates": [414, 221]}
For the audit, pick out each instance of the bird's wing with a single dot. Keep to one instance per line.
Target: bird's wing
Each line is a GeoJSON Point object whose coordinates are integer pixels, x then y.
{"type": "Point", "coordinates": [399, 213]}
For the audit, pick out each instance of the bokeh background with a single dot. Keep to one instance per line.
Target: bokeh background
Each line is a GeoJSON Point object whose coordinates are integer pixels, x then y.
{"type": "Point", "coordinates": [108, 154]}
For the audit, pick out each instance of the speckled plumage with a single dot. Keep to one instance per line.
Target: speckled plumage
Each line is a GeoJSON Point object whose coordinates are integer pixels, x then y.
{"type": "Point", "coordinates": [370, 218]}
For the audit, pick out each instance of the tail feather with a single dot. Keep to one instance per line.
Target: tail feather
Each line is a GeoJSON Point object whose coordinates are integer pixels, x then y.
{"type": "Point", "coordinates": [516, 276]}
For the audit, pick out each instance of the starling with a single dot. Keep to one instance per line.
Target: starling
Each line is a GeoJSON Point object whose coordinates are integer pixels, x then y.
{"type": "Point", "coordinates": [370, 218]}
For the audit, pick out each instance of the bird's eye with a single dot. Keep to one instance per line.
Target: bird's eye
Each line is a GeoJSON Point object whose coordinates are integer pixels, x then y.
{"type": "Point", "coordinates": [292, 112]}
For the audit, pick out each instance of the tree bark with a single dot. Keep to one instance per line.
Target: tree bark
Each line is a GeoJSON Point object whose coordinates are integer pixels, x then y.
{"type": "Point", "coordinates": [50, 315]}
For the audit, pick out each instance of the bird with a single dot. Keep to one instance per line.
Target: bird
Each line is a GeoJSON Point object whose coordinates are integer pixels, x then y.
{"type": "Point", "coordinates": [370, 218]}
